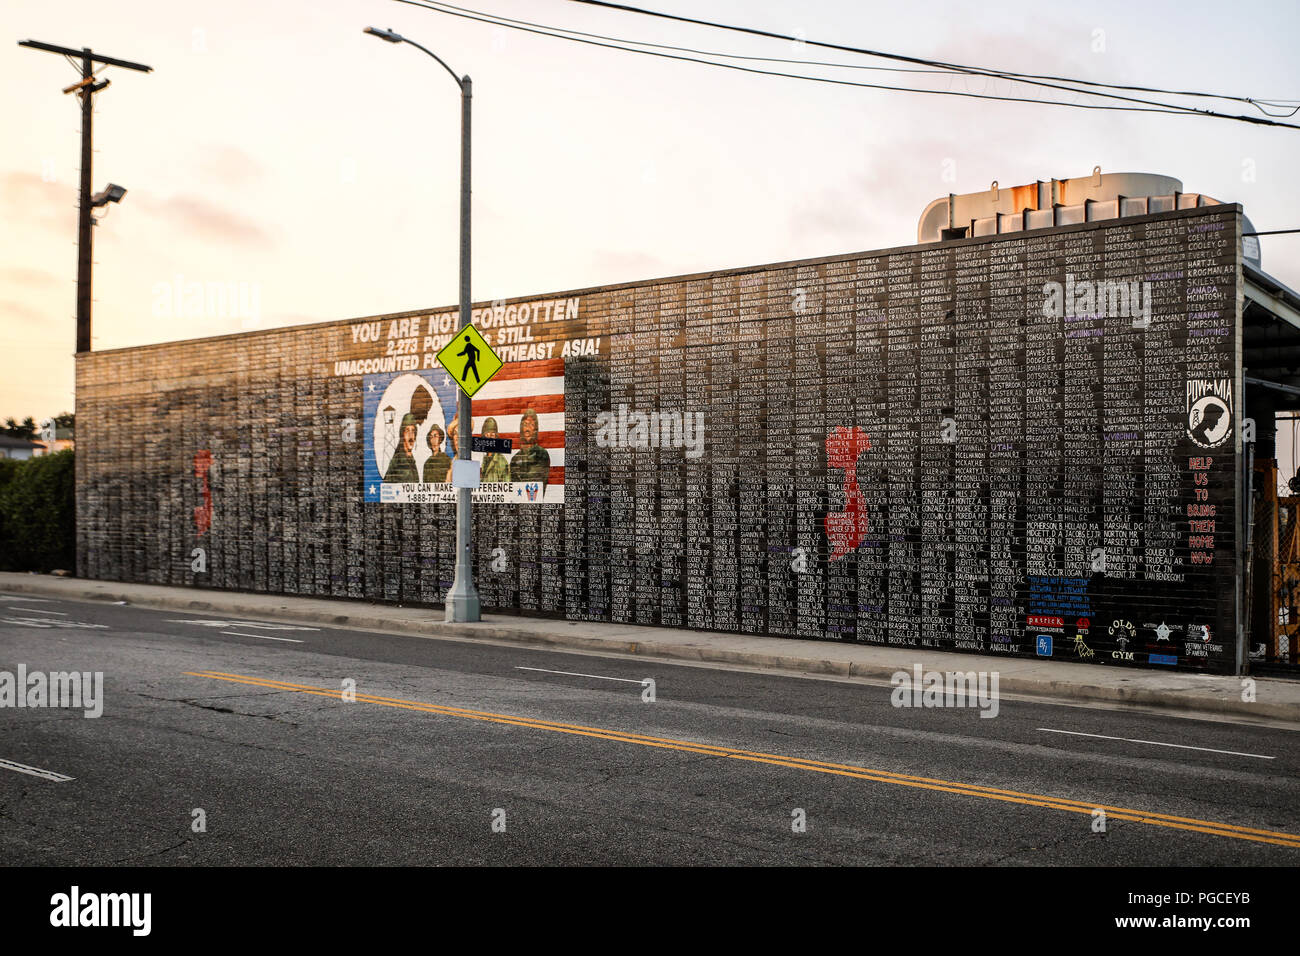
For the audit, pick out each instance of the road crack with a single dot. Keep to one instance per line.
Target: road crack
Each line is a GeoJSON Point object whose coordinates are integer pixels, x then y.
{"type": "Point", "coordinates": [146, 856]}
{"type": "Point", "coordinates": [197, 702]}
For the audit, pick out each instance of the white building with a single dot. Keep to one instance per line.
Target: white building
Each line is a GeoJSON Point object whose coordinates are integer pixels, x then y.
{"type": "Point", "coordinates": [18, 447]}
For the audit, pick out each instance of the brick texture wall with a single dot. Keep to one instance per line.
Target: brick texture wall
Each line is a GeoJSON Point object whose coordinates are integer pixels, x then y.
{"type": "Point", "coordinates": [1021, 483]}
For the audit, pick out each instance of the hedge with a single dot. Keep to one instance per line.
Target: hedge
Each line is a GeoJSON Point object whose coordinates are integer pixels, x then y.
{"type": "Point", "coordinates": [38, 513]}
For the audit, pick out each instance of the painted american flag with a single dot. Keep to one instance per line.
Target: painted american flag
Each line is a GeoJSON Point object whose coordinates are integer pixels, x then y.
{"type": "Point", "coordinates": [538, 385]}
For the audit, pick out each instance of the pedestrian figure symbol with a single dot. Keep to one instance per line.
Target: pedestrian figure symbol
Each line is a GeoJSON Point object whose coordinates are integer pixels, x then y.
{"type": "Point", "coordinates": [469, 359]}
{"type": "Point", "coordinates": [470, 351]}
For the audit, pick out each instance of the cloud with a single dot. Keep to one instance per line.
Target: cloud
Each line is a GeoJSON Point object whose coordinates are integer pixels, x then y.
{"type": "Point", "coordinates": [1057, 48]}
{"type": "Point", "coordinates": [867, 209]}
{"type": "Point", "coordinates": [25, 309]}
{"type": "Point", "coordinates": [230, 166]}
{"type": "Point", "coordinates": [200, 219]}
{"type": "Point", "coordinates": [625, 266]}
{"type": "Point", "coordinates": [11, 310]}
{"type": "Point", "coordinates": [32, 278]}
{"type": "Point", "coordinates": [32, 201]}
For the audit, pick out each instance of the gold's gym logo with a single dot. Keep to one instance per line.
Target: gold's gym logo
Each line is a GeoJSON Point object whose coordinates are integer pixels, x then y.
{"type": "Point", "coordinates": [1122, 633]}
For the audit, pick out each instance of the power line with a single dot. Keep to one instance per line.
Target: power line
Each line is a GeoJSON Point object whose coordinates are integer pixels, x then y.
{"type": "Point", "coordinates": [978, 71]}
{"type": "Point", "coordinates": [1273, 232]}
{"type": "Point", "coordinates": [949, 69]}
{"type": "Point", "coordinates": [974, 70]}
{"type": "Point", "coordinates": [685, 49]}
{"type": "Point", "coordinates": [557, 33]}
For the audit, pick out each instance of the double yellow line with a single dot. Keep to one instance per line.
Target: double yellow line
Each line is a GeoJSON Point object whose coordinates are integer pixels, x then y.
{"type": "Point", "coordinates": [795, 763]}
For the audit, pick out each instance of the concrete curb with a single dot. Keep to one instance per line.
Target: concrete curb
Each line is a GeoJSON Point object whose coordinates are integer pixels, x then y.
{"type": "Point", "coordinates": [1189, 700]}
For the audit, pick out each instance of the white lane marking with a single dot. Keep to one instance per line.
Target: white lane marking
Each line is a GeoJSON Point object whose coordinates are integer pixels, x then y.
{"type": "Point", "coordinates": [268, 627]}
{"type": "Point", "coordinates": [264, 637]}
{"type": "Point", "coordinates": [50, 622]}
{"type": "Point", "coordinates": [33, 771]}
{"type": "Point", "coordinates": [27, 600]}
{"type": "Point", "coordinates": [37, 610]}
{"type": "Point", "coordinates": [1157, 743]}
{"type": "Point", "coordinates": [543, 670]}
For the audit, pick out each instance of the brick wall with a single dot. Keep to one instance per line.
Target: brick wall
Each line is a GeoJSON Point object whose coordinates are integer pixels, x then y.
{"type": "Point", "coordinates": [1020, 475]}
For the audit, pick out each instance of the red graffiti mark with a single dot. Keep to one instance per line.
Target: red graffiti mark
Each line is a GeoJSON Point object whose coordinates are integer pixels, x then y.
{"type": "Point", "coordinates": [847, 529]}
{"type": "Point", "coordinates": [203, 513]}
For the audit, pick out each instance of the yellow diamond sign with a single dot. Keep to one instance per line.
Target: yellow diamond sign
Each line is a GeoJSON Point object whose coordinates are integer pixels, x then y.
{"type": "Point", "coordinates": [469, 359]}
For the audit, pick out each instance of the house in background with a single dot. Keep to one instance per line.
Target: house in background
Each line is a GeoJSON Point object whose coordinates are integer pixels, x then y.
{"type": "Point", "coordinates": [19, 447]}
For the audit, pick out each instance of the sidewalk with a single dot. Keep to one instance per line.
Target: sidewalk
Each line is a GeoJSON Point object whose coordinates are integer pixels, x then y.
{"type": "Point", "coordinates": [1276, 700]}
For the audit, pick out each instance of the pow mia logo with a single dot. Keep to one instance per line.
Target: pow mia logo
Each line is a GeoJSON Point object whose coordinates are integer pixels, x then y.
{"type": "Point", "coordinates": [1209, 411]}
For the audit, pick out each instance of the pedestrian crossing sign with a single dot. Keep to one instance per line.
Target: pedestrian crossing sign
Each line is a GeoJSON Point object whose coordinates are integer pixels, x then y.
{"type": "Point", "coordinates": [469, 359]}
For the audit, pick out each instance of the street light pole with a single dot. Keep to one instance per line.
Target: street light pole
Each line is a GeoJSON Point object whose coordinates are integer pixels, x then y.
{"type": "Point", "coordinates": [462, 601]}
{"type": "Point", "coordinates": [463, 598]}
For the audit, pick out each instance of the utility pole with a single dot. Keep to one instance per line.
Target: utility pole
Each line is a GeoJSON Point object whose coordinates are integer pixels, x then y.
{"type": "Point", "coordinates": [87, 88]}
{"type": "Point", "coordinates": [85, 233]}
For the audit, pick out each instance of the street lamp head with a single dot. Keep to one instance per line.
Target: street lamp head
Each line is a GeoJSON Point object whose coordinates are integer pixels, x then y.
{"type": "Point", "coordinates": [388, 34]}
{"type": "Point", "coordinates": [113, 193]}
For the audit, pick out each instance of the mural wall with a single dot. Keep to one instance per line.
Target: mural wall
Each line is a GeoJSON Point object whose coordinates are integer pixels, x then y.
{"type": "Point", "coordinates": [1023, 444]}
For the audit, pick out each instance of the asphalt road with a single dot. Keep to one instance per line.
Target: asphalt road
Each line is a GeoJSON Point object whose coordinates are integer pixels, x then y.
{"type": "Point", "coordinates": [455, 752]}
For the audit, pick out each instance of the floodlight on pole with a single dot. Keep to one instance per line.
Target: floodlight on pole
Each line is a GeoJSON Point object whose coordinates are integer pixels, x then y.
{"type": "Point", "coordinates": [113, 193]}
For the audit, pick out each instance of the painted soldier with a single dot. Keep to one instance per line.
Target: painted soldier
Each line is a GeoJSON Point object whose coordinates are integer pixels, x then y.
{"type": "Point", "coordinates": [532, 462]}
{"type": "Point", "coordinates": [453, 430]}
{"type": "Point", "coordinates": [402, 468]}
{"type": "Point", "coordinates": [495, 466]}
{"type": "Point", "coordinates": [436, 465]}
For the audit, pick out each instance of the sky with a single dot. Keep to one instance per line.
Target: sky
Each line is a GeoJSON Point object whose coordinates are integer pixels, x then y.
{"type": "Point", "coordinates": [307, 172]}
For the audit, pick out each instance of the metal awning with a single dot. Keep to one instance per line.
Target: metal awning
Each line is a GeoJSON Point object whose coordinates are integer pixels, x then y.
{"type": "Point", "coordinates": [1270, 336]}
{"type": "Point", "coordinates": [1271, 295]}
